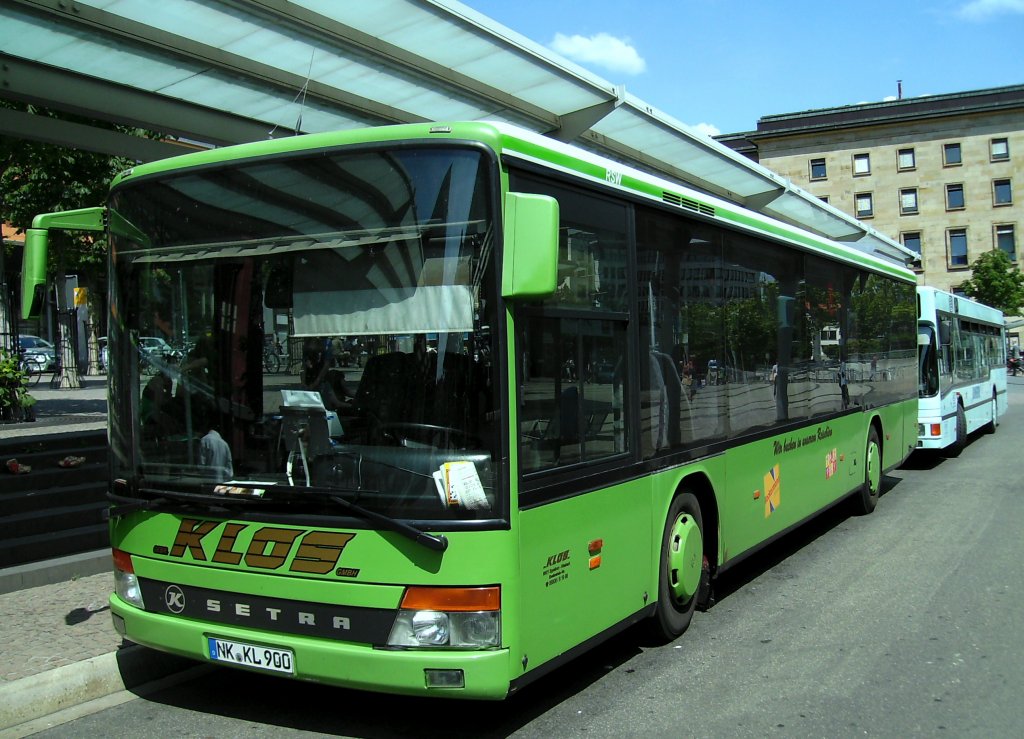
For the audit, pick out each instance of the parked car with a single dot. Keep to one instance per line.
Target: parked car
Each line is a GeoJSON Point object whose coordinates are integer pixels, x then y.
{"type": "Point", "coordinates": [153, 347]}
{"type": "Point", "coordinates": [38, 350]}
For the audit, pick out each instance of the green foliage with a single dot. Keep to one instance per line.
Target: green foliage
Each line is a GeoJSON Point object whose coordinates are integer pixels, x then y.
{"type": "Point", "coordinates": [996, 282]}
{"type": "Point", "coordinates": [13, 384]}
{"type": "Point", "coordinates": [42, 178]}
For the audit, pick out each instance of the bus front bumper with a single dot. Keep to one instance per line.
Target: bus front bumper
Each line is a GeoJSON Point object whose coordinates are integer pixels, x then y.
{"type": "Point", "coordinates": [362, 667]}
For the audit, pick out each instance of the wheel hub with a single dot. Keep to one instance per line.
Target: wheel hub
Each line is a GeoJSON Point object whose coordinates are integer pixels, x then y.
{"type": "Point", "coordinates": [874, 468]}
{"type": "Point", "coordinates": [685, 558]}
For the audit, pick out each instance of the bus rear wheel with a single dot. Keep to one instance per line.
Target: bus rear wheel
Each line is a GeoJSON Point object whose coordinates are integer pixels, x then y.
{"type": "Point", "coordinates": [990, 427]}
{"type": "Point", "coordinates": [867, 498]}
{"type": "Point", "coordinates": [954, 449]}
{"type": "Point", "coordinates": [683, 570]}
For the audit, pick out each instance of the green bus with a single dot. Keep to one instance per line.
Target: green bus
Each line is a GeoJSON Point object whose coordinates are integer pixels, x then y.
{"type": "Point", "coordinates": [529, 398]}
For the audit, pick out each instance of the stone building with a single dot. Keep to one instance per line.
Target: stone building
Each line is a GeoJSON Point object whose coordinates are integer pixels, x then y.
{"type": "Point", "coordinates": [943, 174]}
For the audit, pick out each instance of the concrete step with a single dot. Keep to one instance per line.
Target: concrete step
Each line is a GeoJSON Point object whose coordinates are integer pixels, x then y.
{"type": "Point", "coordinates": [42, 478]}
{"type": "Point", "coordinates": [52, 520]}
{"type": "Point", "coordinates": [15, 503]}
{"type": "Point", "coordinates": [53, 511]}
{"type": "Point", "coordinates": [40, 547]}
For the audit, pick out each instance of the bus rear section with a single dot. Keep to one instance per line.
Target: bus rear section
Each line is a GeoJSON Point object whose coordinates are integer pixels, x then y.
{"type": "Point", "coordinates": [961, 369]}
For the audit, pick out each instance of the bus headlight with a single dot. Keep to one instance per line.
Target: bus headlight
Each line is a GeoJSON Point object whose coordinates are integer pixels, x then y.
{"type": "Point", "coordinates": [126, 584]}
{"type": "Point", "coordinates": [458, 618]}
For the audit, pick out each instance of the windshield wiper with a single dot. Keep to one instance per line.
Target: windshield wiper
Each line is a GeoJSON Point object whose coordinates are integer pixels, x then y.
{"type": "Point", "coordinates": [437, 543]}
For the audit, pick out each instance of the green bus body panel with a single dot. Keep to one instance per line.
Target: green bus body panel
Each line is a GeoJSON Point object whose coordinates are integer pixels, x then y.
{"type": "Point", "coordinates": [566, 599]}
{"type": "Point", "coordinates": [33, 273]}
{"type": "Point", "coordinates": [472, 558]}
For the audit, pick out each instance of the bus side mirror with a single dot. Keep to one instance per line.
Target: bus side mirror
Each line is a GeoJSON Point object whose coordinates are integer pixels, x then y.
{"type": "Point", "coordinates": [944, 337]}
{"type": "Point", "coordinates": [33, 272]}
{"type": "Point", "coordinates": [530, 262]}
{"type": "Point", "coordinates": [33, 266]}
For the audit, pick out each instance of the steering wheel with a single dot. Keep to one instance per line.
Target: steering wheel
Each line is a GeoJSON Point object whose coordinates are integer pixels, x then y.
{"type": "Point", "coordinates": [427, 434]}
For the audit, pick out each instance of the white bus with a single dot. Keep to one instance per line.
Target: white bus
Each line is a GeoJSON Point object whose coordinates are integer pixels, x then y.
{"type": "Point", "coordinates": [962, 359]}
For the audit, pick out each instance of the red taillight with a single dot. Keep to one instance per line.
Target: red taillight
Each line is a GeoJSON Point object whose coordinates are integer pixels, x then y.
{"type": "Point", "coordinates": [936, 429]}
{"type": "Point", "coordinates": [123, 562]}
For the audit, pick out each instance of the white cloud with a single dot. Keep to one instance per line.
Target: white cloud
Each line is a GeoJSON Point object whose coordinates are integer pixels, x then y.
{"type": "Point", "coordinates": [981, 10]}
{"type": "Point", "coordinates": [602, 50]}
{"type": "Point", "coordinates": [707, 129]}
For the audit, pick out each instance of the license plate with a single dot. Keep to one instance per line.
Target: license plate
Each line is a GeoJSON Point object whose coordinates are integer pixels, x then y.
{"type": "Point", "coordinates": [251, 655]}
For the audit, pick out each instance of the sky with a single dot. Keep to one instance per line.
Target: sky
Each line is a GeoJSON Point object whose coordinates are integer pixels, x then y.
{"type": "Point", "coordinates": [719, 65]}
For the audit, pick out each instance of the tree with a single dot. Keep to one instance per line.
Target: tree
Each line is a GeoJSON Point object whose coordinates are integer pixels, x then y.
{"type": "Point", "coordinates": [996, 282]}
{"type": "Point", "coordinates": [37, 177]}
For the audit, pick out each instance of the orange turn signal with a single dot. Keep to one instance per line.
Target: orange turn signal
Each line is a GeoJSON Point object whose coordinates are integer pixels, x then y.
{"type": "Point", "coordinates": [418, 598]}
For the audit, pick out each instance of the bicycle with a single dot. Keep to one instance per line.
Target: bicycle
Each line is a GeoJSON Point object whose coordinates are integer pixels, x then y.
{"type": "Point", "coordinates": [32, 370]}
{"type": "Point", "coordinates": [271, 361]}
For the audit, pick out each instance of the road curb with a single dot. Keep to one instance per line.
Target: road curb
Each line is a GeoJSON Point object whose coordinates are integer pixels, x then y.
{"type": "Point", "coordinates": [59, 569]}
{"type": "Point", "coordinates": [71, 685]}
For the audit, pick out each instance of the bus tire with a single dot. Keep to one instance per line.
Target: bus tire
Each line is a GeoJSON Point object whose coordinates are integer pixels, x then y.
{"type": "Point", "coordinates": [683, 571]}
{"type": "Point", "coordinates": [865, 500]}
{"type": "Point", "coordinates": [990, 427]}
{"type": "Point", "coordinates": [960, 442]}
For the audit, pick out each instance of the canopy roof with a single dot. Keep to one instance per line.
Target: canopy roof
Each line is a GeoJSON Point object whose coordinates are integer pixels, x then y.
{"type": "Point", "coordinates": [228, 71]}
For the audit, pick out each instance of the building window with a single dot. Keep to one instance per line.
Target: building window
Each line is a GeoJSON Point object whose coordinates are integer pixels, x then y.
{"type": "Point", "coordinates": [1006, 240]}
{"type": "Point", "coordinates": [905, 159]}
{"type": "Point", "coordinates": [959, 291]}
{"type": "Point", "coordinates": [999, 150]}
{"type": "Point", "coordinates": [863, 205]}
{"type": "Point", "coordinates": [861, 165]}
{"type": "Point", "coordinates": [912, 240]}
{"type": "Point", "coordinates": [957, 238]}
{"type": "Point", "coordinates": [951, 155]}
{"type": "Point", "coordinates": [818, 171]}
{"type": "Point", "coordinates": [823, 198]}
{"type": "Point", "coordinates": [954, 197]}
{"type": "Point", "coordinates": [908, 201]}
{"type": "Point", "coordinates": [1002, 194]}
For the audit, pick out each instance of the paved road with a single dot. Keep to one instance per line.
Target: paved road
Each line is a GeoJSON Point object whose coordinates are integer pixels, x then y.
{"type": "Point", "coordinates": [902, 623]}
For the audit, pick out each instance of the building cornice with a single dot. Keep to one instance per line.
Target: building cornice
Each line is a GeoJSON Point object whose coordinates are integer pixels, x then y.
{"type": "Point", "coordinates": [891, 112]}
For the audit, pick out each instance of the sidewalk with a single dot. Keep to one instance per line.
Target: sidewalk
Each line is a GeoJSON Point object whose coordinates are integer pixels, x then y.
{"type": "Point", "coordinates": [59, 648]}
{"type": "Point", "coordinates": [64, 409]}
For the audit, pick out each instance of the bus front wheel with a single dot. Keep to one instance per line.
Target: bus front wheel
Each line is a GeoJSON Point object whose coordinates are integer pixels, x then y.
{"type": "Point", "coordinates": [960, 442]}
{"type": "Point", "coordinates": [866, 500]}
{"type": "Point", "coordinates": [683, 571]}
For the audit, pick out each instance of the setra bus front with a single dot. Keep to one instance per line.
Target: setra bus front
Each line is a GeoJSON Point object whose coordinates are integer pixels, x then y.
{"type": "Point", "coordinates": [347, 517]}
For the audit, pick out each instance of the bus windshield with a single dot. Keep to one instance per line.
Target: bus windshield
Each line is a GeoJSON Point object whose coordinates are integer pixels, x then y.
{"type": "Point", "coordinates": [321, 322]}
